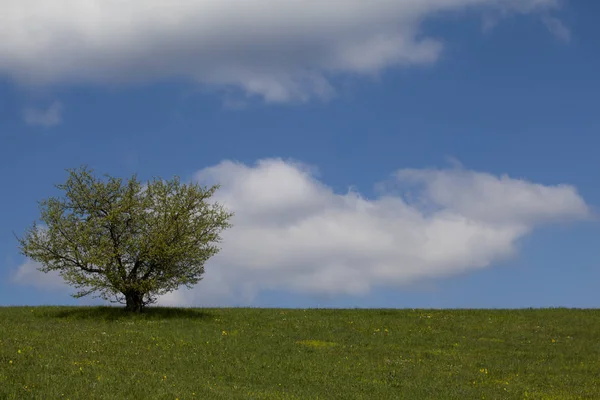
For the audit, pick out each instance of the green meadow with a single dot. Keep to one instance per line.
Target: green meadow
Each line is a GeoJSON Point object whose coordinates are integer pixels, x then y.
{"type": "Point", "coordinates": [252, 353]}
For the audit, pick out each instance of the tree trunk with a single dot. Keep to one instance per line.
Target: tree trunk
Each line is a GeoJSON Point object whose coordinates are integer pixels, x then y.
{"type": "Point", "coordinates": [134, 301]}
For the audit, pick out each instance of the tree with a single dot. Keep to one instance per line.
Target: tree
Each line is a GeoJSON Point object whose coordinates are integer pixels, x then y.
{"type": "Point", "coordinates": [126, 242]}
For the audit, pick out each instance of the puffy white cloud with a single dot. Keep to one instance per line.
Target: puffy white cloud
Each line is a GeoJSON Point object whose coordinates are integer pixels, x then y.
{"type": "Point", "coordinates": [28, 273]}
{"type": "Point", "coordinates": [491, 199]}
{"type": "Point", "coordinates": [279, 49]}
{"type": "Point", "coordinates": [50, 116]}
{"type": "Point", "coordinates": [292, 232]}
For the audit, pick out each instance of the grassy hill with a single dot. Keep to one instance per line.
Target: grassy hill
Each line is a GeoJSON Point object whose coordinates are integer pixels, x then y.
{"type": "Point", "coordinates": [102, 353]}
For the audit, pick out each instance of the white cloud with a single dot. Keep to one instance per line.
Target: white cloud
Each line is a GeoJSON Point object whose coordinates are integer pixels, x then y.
{"type": "Point", "coordinates": [50, 116]}
{"type": "Point", "coordinates": [499, 200]}
{"type": "Point", "coordinates": [292, 232]}
{"type": "Point", "coordinates": [557, 28]}
{"type": "Point", "coordinates": [279, 49]}
{"type": "Point", "coordinates": [28, 273]}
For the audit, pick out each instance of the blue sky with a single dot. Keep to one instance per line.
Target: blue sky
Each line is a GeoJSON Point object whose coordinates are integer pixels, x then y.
{"type": "Point", "coordinates": [387, 154]}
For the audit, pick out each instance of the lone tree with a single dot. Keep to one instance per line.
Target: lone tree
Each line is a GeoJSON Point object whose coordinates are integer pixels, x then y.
{"type": "Point", "coordinates": [126, 242]}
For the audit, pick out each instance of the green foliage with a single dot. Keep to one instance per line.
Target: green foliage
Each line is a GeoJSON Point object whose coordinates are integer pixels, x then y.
{"type": "Point", "coordinates": [125, 241]}
{"type": "Point", "coordinates": [106, 353]}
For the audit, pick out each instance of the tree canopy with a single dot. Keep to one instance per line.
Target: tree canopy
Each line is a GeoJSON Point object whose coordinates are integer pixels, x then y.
{"type": "Point", "coordinates": [126, 241]}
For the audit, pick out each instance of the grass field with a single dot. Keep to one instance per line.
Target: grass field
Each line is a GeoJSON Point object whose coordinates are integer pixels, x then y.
{"type": "Point", "coordinates": [102, 353]}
